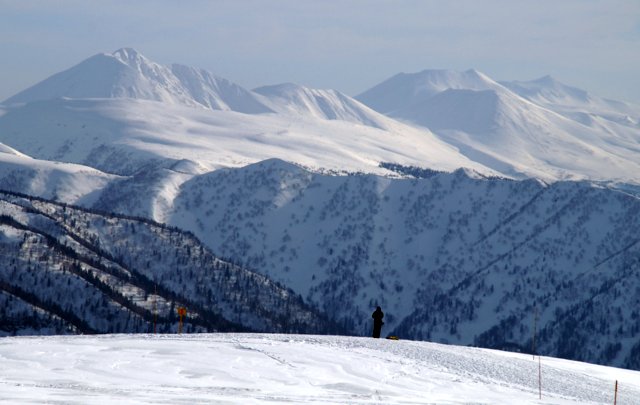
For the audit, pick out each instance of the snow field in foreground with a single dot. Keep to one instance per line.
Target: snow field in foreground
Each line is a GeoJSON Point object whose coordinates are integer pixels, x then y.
{"type": "Point", "coordinates": [261, 368]}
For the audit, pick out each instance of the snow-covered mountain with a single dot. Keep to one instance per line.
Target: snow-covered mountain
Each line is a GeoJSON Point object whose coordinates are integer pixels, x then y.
{"type": "Point", "coordinates": [542, 128]}
{"type": "Point", "coordinates": [567, 100]}
{"type": "Point", "coordinates": [129, 74]}
{"type": "Point", "coordinates": [123, 135]}
{"type": "Point", "coordinates": [407, 89]}
{"type": "Point", "coordinates": [296, 100]}
{"type": "Point", "coordinates": [267, 369]}
{"type": "Point", "coordinates": [68, 270]}
{"type": "Point", "coordinates": [141, 112]}
{"type": "Point", "coordinates": [66, 182]}
{"type": "Point", "coordinates": [427, 250]}
{"type": "Point", "coordinates": [454, 257]}
{"type": "Point", "coordinates": [120, 112]}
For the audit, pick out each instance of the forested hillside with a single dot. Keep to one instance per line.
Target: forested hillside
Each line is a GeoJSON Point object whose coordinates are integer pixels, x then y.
{"type": "Point", "coordinates": [451, 257]}
{"type": "Point", "coordinates": [68, 270]}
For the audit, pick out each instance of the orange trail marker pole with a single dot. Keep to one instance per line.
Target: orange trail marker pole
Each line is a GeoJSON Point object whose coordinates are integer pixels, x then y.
{"type": "Point", "coordinates": [182, 311]}
{"type": "Point", "coordinates": [615, 397]}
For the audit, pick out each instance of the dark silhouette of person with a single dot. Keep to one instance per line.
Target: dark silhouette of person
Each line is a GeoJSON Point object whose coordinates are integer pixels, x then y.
{"type": "Point", "coordinates": [377, 322]}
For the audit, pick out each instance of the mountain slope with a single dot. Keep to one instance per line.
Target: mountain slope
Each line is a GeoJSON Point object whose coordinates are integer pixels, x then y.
{"type": "Point", "coordinates": [266, 369]}
{"type": "Point", "coordinates": [447, 257]}
{"type": "Point", "coordinates": [567, 100]}
{"type": "Point", "coordinates": [122, 136]}
{"type": "Point", "coordinates": [69, 183]}
{"type": "Point", "coordinates": [78, 271]}
{"type": "Point", "coordinates": [543, 129]}
{"type": "Point", "coordinates": [128, 74]}
{"type": "Point", "coordinates": [453, 257]}
{"type": "Point", "coordinates": [121, 112]}
{"type": "Point", "coordinates": [405, 89]}
{"type": "Point", "coordinates": [126, 112]}
{"type": "Point", "coordinates": [297, 100]}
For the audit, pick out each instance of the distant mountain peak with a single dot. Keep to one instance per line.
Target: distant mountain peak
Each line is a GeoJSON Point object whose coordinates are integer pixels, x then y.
{"type": "Point", "coordinates": [547, 90]}
{"type": "Point", "coordinates": [132, 58]}
{"type": "Point", "coordinates": [407, 89]}
{"type": "Point", "coordinates": [323, 104]}
{"type": "Point", "coordinates": [126, 73]}
{"type": "Point", "coordinates": [546, 79]}
{"type": "Point", "coordinates": [127, 53]}
{"type": "Point", "coordinates": [10, 151]}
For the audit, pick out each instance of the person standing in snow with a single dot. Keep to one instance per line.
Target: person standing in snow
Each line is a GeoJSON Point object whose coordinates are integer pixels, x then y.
{"type": "Point", "coordinates": [377, 322]}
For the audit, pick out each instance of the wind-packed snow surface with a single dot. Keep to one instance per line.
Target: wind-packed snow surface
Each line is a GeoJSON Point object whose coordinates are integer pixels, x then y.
{"type": "Point", "coordinates": [260, 368]}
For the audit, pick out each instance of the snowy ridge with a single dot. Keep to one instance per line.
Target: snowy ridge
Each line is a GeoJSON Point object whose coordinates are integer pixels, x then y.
{"type": "Point", "coordinates": [261, 368]}
{"type": "Point", "coordinates": [66, 182]}
{"type": "Point", "coordinates": [453, 255]}
{"type": "Point", "coordinates": [124, 135]}
{"type": "Point", "coordinates": [289, 98]}
{"type": "Point", "coordinates": [539, 129]}
{"type": "Point", "coordinates": [7, 150]}
{"type": "Point", "coordinates": [129, 74]}
{"type": "Point", "coordinates": [405, 89]}
{"type": "Point", "coordinates": [427, 250]}
{"type": "Point", "coordinates": [553, 94]}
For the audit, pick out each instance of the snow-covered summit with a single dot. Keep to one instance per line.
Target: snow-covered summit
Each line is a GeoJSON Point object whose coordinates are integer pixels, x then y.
{"type": "Point", "coordinates": [574, 102]}
{"type": "Point", "coordinates": [324, 104]}
{"type": "Point", "coordinates": [548, 89]}
{"type": "Point", "coordinates": [218, 93]}
{"type": "Point", "coordinates": [123, 100]}
{"type": "Point", "coordinates": [8, 150]}
{"type": "Point", "coordinates": [542, 128]}
{"type": "Point", "coordinates": [123, 135]}
{"type": "Point", "coordinates": [132, 57]}
{"type": "Point", "coordinates": [127, 73]}
{"type": "Point", "coordinates": [406, 89]}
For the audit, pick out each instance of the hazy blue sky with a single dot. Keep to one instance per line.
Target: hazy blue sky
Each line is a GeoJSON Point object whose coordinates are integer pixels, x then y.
{"type": "Point", "coordinates": [349, 45]}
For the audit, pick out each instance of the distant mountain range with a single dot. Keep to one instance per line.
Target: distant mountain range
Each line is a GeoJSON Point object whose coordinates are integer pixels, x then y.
{"type": "Point", "coordinates": [540, 128]}
{"type": "Point", "coordinates": [122, 106]}
{"type": "Point", "coordinates": [440, 195]}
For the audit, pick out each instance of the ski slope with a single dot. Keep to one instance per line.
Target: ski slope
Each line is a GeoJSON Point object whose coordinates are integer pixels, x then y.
{"type": "Point", "coordinates": [261, 368]}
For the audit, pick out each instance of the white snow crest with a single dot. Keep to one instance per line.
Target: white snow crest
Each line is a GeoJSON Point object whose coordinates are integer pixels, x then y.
{"type": "Point", "coordinates": [259, 368]}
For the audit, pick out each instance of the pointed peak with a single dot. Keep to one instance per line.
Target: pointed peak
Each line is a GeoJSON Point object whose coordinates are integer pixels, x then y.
{"type": "Point", "coordinates": [467, 173]}
{"type": "Point", "coordinates": [547, 79]}
{"type": "Point", "coordinates": [10, 151]}
{"type": "Point", "coordinates": [128, 56]}
{"type": "Point", "coordinates": [475, 73]}
{"type": "Point", "coordinates": [126, 52]}
{"type": "Point", "coordinates": [276, 165]}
